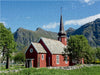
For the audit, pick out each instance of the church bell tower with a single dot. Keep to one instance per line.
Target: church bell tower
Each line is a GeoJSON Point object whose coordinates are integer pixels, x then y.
{"type": "Point", "coordinates": [62, 34]}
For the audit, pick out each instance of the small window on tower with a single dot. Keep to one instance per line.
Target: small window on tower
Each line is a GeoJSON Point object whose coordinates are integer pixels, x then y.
{"type": "Point", "coordinates": [59, 39]}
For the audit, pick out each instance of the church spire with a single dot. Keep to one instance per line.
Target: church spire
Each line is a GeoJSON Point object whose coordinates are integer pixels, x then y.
{"type": "Point", "coordinates": [61, 23]}
{"type": "Point", "coordinates": [62, 33]}
{"type": "Point", "coordinates": [61, 29]}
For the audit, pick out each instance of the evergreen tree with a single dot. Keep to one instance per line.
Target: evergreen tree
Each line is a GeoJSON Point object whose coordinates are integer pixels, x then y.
{"type": "Point", "coordinates": [7, 43]}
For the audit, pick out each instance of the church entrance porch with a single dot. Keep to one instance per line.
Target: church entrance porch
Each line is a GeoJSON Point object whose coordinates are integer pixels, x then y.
{"type": "Point", "coordinates": [29, 63]}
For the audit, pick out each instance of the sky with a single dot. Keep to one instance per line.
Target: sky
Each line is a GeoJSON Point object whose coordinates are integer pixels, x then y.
{"type": "Point", "coordinates": [31, 14]}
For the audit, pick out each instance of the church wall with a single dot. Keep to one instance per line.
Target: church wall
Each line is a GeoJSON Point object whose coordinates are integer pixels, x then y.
{"type": "Point", "coordinates": [48, 55]}
{"type": "Point", "coordinates": [61, 61]}
{"type": "Point", "coordinates": [42, 62]}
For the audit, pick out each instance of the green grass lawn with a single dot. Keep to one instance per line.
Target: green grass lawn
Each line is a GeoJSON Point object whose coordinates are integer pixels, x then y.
{"type": "Point", "coordinates": [94, 70]}
{"type": "Point", "coordinates": [12, 67]}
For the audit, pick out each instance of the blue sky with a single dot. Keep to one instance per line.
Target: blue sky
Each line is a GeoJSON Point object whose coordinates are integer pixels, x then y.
{"type": "Point", "coordinates": [31, 14]}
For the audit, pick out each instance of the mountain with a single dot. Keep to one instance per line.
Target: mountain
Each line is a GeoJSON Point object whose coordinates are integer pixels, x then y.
{"type": "Point", "coordinates": [69, 31]}
{"type": "Point", "coordinates": [24, 37]}
{"type": "Point", "coordinates": [91, 31]}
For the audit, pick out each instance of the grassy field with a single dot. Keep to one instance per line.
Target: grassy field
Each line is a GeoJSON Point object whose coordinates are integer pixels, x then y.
{"type": "Point", "coordinates": [12, 67]}
{"type": "Point", "coordinates": [94, 70]}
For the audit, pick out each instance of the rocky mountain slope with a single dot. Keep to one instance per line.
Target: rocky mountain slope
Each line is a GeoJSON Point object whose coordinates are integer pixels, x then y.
{"type": "Point", "coordinates": [90, 30]}
{"type": "Point", "coordinates": [69, 31]}
{"type": "Point", "coordinates": [24, 37]}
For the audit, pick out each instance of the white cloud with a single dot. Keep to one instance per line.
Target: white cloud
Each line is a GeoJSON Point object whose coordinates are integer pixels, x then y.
{"type": "Point", "coordinates": [82, 21]}
{"type": "Point", "coordinates": [73, 22]}
{"type": "Point", "coordinates": [50, 25]}
{"type": "Point", "coordinates": [86, 1]}
{"type": "Point", "coordinates": [89, 2]}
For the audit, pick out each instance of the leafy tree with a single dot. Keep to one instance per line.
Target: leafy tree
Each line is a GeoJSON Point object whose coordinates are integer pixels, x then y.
{"type": "Point", "coordinates": [98, 53]}
{"type": "Point", "coordinates": [79, 48]}
{"type": "Point", "coordinates": [20, 56]}
{"type": "Point", "coordinates": [7, 43]}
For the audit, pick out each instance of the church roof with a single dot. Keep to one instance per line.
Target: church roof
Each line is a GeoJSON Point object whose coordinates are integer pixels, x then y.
{"type": "Point", "coordinates": [54, 46]}
{"type": "Point", "coordinates": [38, 47]}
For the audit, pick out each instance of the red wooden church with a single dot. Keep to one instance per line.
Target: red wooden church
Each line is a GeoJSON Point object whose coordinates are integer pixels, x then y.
{"type": "Point", "coordinates": [48, 52]}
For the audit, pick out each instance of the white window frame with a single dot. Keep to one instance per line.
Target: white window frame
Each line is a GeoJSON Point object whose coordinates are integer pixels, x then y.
{"type": "Point", "coordinates": [57, 59]}
{"type": "Point", "coordinates": [42, 56]}
{"type": "Point", "coordinates": [65, 39]}
{"type": "Point", "coordinates": [66, 60]}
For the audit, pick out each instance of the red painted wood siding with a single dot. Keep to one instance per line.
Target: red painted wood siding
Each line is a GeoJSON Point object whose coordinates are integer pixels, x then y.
{"type": "Point", "coordinates": [64, 40]}
{"type": "Point", "coordinates": [48, 53]}
{"type": "Point", "coordinates": [32, 55]}
{"type": "Point", "coordinates": [33, 63]}
{"type": "Point", "coordinates": [53, 57]}
{"type": "Point", "coordinates": [61, 60]}
{"type": "Point", "coordinates": [42, 62]}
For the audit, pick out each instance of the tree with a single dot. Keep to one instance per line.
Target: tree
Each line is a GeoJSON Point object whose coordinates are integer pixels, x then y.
{"type": "Point", "coordinates": [20, 56]}
{"type": "Point", "coordinates": [79, 48]}
{"type": "Point", "coordinates": [1, 33]}
{"type": "Point", "coordinates": [7, 43]}
{"type": "Point", "coordinates": [2, 29]}
{"type": "Point", "coordinates": [98, 53]}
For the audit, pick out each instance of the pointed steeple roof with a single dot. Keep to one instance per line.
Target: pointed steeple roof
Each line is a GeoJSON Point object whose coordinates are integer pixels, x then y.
{"type": "Point", "coordinates": [61, 30]}
{"type": "Point", "coordinates": [61, 25]}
